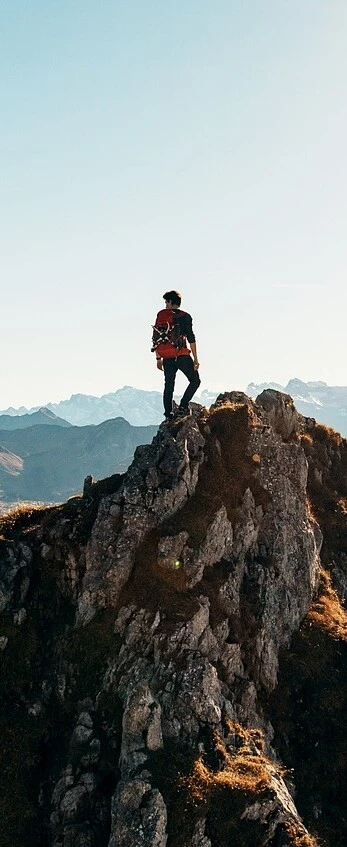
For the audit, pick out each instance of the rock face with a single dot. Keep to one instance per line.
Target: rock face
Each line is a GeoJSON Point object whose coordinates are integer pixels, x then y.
{"type": "Point", "coordinates": [147, 621]}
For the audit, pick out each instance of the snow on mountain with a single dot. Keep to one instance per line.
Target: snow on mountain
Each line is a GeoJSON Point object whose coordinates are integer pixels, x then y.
{"type": "Point", "coordinates": [327, 404]}
{"type": "Point", "coordinates": [137, 406]}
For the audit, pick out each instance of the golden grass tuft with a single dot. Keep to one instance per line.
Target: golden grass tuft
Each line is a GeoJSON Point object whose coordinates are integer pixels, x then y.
{"type": "Point", "coordinates": [18, 513]}
{"type": "Point", "coordinates": [306, 440]}
{"type": "Point", "coordinates": [22, 508]}
{"type": "Point", "coordinates": [328, 612]}
{"type": "Point", "coordinates": [298, 835]}
{"type": "Point", "coordinates": [327, 434]}
{"type": "Point", "coordinates": [342, 504]}
{"type": "Point", "coordinates": [310, 509]}
{"type": "Point", "coordinates": [246, 737]}
{"type": "Point", "coordinates": [245, 769]}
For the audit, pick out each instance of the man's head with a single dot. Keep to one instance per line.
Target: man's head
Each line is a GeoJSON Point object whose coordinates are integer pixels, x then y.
{"type": "Point", "coordinates": [172, 299]}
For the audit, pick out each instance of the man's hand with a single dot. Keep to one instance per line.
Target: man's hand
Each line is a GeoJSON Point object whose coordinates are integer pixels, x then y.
{"type": "Point", "coordinates": [196, 365]}
{"type": "Point", "coordinates": [160, 364]}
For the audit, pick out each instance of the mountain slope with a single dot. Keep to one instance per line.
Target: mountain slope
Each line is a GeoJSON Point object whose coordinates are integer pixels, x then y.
{"type": "Point", "coordinates": [9, 462]}
{"type": "Point", "coordinates": [43, 416]}
{"type": "Point", "coordinates": [53, 461]}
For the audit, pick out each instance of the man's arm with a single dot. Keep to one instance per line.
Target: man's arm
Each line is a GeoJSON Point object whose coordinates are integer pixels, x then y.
{"type": "Point", "coordinates": [159, 361]}
{"type": "Point", "coordinates": [195, 355]}
{"type": "Point", "coordinates": [191, 338]}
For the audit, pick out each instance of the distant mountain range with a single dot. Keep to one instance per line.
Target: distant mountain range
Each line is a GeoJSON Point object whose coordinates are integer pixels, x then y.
{"type": "Point", "coordinates": [44, 417]}
{"type": "Point", "coordinates": [139, 407]}
{"type": "Point", "coordinates": [48, 463]}
{"type": "Point", "coordinates": [327, 404]}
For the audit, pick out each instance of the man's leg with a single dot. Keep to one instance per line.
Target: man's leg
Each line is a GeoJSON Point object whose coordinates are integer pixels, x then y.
{"type": "Point", "coordinates": [186, 365]}
{"type": "Point", "coordinates": [170, 370]}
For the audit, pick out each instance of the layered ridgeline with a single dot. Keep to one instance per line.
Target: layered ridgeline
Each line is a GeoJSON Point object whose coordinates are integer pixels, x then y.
{"type": "Point", "coordinates": [49, 463]}
{"type": "Point", "coordinates": [139, 407]}
{"type": "Point", "coordinates": [326, 403]}
{"type": "Point", "coordinates": [174, 660]}
{"type": "Point", "coordinates": [43, 417]}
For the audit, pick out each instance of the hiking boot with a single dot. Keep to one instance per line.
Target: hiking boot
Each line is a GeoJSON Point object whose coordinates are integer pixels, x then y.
{"type": "Point", "coordinates": [169, 417]}
{"type": "Point", "coordinates": [183, 412]}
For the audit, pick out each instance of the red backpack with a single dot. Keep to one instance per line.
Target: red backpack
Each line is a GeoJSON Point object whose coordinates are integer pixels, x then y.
{"type": "Point", "coordinates": [167, 329]}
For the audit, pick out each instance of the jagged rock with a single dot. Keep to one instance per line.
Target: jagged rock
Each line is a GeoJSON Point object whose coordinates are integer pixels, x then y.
{"type": "Point", "coordinates": [281, 412]}
{"type": "Point", "coordinates": [85, 720]}
{"type": "Point", "coordinates": [289, 540]}
{"type": "Point", "coordinates": [24, 588]}
{"type": "Point", "coordinates": [152, 614]}
{"type": "Point", "coordinates": [138, 816]}
{"type": "Point", "coordinates": [20, 616]}
{"type": "Point", "coordinates": [158, 483]}
{"type": "Point", "coordinates": [232, 398]}
{"type": "Point", "coordinates": [200, 689]}
{"type": "Point", "coordinates": [247, 527]}
{"type": "Point", "coordinates": [199, 839]}
{"type": "Point", "coordinates": [80, 736]}
{"type": "Point", "coordinates": [339, 571]}
{"type": "Point", "coordinates": [141, 729]}
{"type": "Point", "coordinates": [74, 804]}
{"type": "Point", "coordinates": [216, 546]}
{"type": "Point", "coordinates": [92, 755]}
{"type": "Point", "coordinates": [14, 561]}
{"type": "Point", "coordinates": [231, 660]}
{"type": "Point", "coordinates": [170, 548]}
{"type": "Point", "coordinates": [87, 485]}
{"type": "Point", "coordinates": [270, 812]}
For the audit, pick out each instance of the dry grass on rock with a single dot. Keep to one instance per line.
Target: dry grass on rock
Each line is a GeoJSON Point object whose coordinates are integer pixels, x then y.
{"type": "Point", "coordinates": [298, 836]}
{"type": "Point", "coordinates": [19, 515]}
{"type": "Point", "coordinates": [244, 769]}
{"type": "Point", "coordinates": [328, 612]}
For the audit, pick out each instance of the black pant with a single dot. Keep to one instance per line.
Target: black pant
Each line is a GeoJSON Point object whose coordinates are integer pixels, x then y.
{"type": "Point", "coordinates": [171, 366]}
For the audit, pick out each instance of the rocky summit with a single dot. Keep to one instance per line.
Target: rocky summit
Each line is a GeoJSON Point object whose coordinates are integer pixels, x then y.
{"type": "Point", "coordinates": [173, 643]}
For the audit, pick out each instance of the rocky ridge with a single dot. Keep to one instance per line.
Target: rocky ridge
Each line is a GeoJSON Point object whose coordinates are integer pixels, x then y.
{"type": "Point", "coordinates": [147, 621]}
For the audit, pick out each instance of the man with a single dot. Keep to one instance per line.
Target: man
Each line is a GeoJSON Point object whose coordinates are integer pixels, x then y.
{"type": "Point", "coordinates": [172, 329]}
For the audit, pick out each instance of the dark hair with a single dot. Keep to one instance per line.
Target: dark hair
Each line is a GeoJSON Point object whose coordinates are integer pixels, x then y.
{"type": "Point", "coordinates": [173, 296]}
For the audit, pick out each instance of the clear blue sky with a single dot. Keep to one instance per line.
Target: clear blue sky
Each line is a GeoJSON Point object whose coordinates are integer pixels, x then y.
{"type": "Point", "coordinates": [151, 144]}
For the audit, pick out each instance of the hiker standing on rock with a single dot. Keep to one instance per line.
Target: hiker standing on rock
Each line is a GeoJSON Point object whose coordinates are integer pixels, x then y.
{"type": "Point", "coordinates": [171, 331]}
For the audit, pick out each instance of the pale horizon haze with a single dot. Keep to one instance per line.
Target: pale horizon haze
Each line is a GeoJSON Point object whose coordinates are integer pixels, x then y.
{"type": "Point", "coordinates": [150, 145]}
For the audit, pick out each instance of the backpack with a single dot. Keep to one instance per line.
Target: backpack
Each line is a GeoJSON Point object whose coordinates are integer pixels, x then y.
{"type": "Point", "coordinates": [167, 329]}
